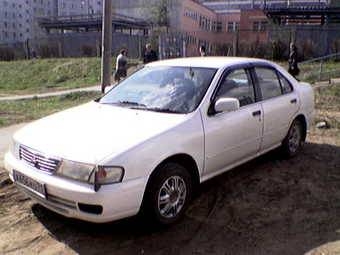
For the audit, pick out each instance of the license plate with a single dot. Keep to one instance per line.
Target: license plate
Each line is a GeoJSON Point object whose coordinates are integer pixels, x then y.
{"type": "Point", "coordinates": [30, 184]}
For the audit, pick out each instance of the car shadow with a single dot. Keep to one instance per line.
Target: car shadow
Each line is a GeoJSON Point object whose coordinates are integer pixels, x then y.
{"type": "Point", "coordinates": [267, 206]}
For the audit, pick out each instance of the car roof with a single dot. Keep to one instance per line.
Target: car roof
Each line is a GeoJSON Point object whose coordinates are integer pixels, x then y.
{"type": "Point", "coordinates": [207, 62]}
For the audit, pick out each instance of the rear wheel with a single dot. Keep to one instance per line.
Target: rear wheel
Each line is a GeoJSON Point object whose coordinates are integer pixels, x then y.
{"type": "Point", "coordinates": [168, 194]}
{"type": "Point", "coordinates": [293, 142]}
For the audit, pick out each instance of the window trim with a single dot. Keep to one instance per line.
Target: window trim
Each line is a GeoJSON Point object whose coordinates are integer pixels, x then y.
{"type": "Point", "coordinates": [277, 73]}
{"type": "Point", "coordinates": [289, 83]}
{"type": "Point", "coordinates": [247, 68]}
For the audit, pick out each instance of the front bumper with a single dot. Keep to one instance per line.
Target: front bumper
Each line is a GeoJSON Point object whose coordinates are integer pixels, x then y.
{"type": "Point", "coordinates": [66, 196]}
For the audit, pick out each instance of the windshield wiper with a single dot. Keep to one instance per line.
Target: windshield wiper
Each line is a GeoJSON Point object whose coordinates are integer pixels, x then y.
{"type": "Point", "coordinates": [165, 110]}
{"type": "Point", "coordinates": [134, 105]}
{"type": "Point", "coordinates": [131, 103]}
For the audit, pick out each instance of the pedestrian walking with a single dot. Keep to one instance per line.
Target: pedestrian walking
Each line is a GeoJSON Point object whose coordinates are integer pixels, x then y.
{"type": "Point", "coordinates": [121, 65]}
{"type": "Point", "coordinates": [202, 50]}
{"type": "Point", "coordinates": [293, 68]}
{"type": "Point", "coordinates": [149, 54]}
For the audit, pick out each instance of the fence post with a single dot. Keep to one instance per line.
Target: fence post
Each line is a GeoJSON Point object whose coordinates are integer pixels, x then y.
{"type": "Point", "coordinates": [320, 71]}
{"type": "Point", "coordinates": [160, 47]}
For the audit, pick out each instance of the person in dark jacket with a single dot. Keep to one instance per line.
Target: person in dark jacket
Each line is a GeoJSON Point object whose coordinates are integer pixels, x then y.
{"type": "Point", "coordinates": [149, 55]}
{"type": "Point", "coordinates": [121, 65]}
{"type": "Point", "coordinates": [293, 68]}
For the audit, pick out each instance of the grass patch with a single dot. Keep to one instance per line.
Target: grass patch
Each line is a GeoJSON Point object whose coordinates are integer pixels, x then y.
{"type": "Point", "coordinates": [40, 75]}
{"type": "Point", "coordinates": [46, 75]}
{"type": "Point", "coordinates": [13, 112]}
{"type": "Point", "coordinates": [328, 98]}
{"type": "Point", "coordinates": [311, 72]}
{"type": "Point", "coordinates": [327, 105]}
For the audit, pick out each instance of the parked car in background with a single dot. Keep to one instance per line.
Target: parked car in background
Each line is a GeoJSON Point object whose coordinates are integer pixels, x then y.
{"type": "Point", "coordinates": [151, 140]}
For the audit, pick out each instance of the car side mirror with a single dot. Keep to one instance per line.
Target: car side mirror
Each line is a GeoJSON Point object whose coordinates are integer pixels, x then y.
{"type": "Point", "coordinates": [226, 104]}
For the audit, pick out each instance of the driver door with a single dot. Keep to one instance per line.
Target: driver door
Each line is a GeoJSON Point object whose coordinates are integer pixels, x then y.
{"type": "Point", "coordinates": [231, 137]}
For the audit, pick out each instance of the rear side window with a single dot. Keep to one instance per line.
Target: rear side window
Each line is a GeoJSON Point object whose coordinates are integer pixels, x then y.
{"type": "Point", "coordinates": [286, 86]}
{"type": "Point", "coordinates": [237, 85]}
{"type": "Point", "coordinates": [269, 83]}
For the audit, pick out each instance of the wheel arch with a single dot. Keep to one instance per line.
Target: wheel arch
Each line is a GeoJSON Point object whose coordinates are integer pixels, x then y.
{"type": "Point", "coordinates": [184, 160]}
{"type": "Point", "coordinates": [303, 121]}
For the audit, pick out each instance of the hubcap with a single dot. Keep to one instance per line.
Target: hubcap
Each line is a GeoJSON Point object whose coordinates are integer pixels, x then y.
{"type": "Point", "coordinates": [294, 138]}
{"type": "Point", "coordinates": [171, 196]}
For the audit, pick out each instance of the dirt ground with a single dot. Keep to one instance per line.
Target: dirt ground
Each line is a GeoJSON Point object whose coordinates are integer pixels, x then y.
{"type": "Point", "coordinates": [268, 206]}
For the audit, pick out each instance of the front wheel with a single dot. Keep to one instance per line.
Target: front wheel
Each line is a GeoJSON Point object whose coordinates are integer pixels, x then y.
{"type": "Point", "coordinates": [168, 194]}
{"type": "Point", "coordinates": [293, 142]}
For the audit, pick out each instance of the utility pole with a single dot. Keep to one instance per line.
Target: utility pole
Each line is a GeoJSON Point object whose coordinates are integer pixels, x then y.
{"type": "Point", "coordinates": [106, 45]}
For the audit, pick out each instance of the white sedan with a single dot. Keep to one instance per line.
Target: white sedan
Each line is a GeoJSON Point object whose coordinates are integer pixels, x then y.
{"type": "Point", "coordinates": [150, 141]}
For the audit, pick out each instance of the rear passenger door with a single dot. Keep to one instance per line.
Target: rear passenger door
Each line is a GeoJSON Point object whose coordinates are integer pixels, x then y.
{"type": "Point", "coordinates": [279, 103]}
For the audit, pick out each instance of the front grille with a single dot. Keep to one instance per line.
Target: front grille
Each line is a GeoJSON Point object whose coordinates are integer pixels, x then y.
{"type": "Point", "coordinates": [38, 160]}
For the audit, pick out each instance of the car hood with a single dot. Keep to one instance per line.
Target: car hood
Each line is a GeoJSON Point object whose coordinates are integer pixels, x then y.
{"type": "Point", "coordinates": [91, 132]}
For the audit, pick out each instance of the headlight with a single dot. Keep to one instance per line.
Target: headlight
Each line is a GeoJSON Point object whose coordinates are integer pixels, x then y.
{"type": "Point", "coordinates": [106, 175]}
{"type": "Point", "coordinates": [14, 148]}
{"type": "Point", "coordinates": [75, 170]}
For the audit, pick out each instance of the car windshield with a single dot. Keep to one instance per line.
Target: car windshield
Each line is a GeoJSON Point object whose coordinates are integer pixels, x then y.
{"type": "Point", "coordinates": [162, 89]}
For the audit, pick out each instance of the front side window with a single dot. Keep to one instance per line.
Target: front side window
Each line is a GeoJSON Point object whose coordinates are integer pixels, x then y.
{"type": "Point", "coordinates": [268, 82]}
{"type": "Point", "coordinates": [162, 89]}
{"type": "Point", "coordinates": [237, 85]}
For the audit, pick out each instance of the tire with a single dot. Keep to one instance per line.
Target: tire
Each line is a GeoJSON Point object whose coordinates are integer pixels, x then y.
{"type": "Point", "coordinates": [168, 194]}
{"type": "Point", "coordinates": [293, 142]}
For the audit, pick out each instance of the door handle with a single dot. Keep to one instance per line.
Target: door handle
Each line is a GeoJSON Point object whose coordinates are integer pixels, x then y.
{"type": "Point", "coordinates": [256, 113]}
{"type": "Point", "coordinates": [293, 101]}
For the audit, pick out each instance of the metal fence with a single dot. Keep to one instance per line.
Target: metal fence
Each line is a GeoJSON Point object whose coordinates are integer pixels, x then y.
{"type": "Point", "coordinates": [271, 43]}
{"type": "Point", "coordinates": [72, 45]}
{"type": "Point", "coordinates": [321, 68]}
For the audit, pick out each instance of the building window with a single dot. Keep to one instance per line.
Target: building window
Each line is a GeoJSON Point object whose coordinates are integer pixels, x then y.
{"type": "Point", "coordinates": [219, 26]}
{"type": "Point", "coordinates": [263, 25]}
{"type": "Point", "coordinates": [232, 26]}
{"type": "Point", "coordinates": [260, 25]}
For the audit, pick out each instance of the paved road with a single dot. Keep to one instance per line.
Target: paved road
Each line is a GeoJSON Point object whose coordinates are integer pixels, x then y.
{"type": "Point", "coordinates": [51, 94]}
